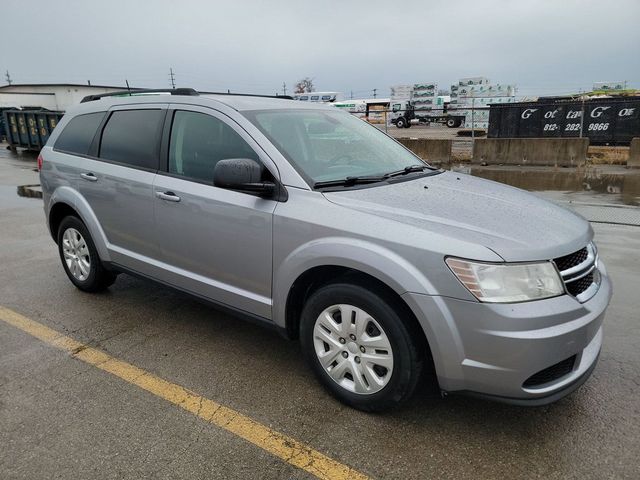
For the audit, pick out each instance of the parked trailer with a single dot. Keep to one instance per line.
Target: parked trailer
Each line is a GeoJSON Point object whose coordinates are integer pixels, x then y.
{"type": "Point", "coordinates": [29, 129]}
{"type": "Point", "coordinates": [607, 121]}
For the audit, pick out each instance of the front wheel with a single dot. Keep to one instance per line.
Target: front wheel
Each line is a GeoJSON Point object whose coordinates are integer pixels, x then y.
{"type": "Point", "coordinates": [80, 258]}
{"type": "Point", "coordinates": [401, 122]}
{"type": "Point", "coordinates": [359, 346]}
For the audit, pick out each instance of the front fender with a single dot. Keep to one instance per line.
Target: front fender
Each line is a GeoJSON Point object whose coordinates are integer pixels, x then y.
{"type": "Point", "coordinates": [379, 262]}
{"type": "Point", "coordinates": [72, 197]}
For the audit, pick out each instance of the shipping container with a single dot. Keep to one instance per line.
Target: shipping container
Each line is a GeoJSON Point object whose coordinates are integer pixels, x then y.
{"type": "Point", "coordinates": [29, 129]}
{"type": "Point", "coordinates": [607, 121]}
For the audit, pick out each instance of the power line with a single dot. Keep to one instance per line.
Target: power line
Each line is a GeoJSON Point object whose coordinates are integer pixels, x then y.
{"type": "Point", "coordinates": [172, 77]}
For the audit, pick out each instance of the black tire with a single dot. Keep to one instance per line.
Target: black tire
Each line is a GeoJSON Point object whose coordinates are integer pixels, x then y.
{"type": "Point", "coordinates": [401, 122]}
{"type": "Point", "coordinates": [451, 122]}
{"type": "Point", "coordinates": [408, 350]}
{"type": "Point", "coordinates": [98, 278]}
{"type": "Point", "coordinates": [407, 124]}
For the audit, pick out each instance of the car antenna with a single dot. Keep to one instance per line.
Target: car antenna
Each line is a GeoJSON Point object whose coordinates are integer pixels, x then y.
{"type": "Point", "coordinates": [128, 89]}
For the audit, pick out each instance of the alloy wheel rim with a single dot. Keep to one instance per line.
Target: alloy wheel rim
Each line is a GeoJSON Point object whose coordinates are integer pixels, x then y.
{"type": "Point", "coordinates": [76, 254]}
{"type": "Point", "coordinates": [353, 349]}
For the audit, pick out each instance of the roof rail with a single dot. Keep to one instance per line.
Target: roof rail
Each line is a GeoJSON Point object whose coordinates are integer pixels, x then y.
{"type": "Point", "coordinates": [138, 91]}
{"type": "Point", "coordinates": [283, 97]}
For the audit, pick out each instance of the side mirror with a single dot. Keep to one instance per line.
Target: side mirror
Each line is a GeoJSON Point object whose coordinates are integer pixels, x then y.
{"type": "Point", "coordinates": [242, 174]}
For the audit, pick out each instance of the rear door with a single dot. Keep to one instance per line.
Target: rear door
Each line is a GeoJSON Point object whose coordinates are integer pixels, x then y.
{"type": "Point", "coordinates": [118, 184]}
{"type": "Point", "coordinates": [215, 242]}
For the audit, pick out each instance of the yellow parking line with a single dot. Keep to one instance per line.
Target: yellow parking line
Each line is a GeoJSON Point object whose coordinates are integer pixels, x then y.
{"type": "Point", "coordinates": [288, 449]}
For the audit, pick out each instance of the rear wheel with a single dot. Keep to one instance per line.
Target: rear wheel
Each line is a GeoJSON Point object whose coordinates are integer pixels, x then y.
{"type": "Point", "coordinates": [360, 347]}
{"type": "Point", "coordinates": [80, 258]}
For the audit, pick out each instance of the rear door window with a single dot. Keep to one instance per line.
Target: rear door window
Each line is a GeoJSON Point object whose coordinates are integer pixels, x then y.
{"type": "Point", "coordinates": [78, 134]}
{"type": "Point", "coordinates": [199, 141]}
{"type": "Point", "coordinates": [132, 137]}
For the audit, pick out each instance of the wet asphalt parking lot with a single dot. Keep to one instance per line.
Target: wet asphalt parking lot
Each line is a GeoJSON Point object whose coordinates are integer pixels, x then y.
{"type": "Point", "coordinates": [62, 416]}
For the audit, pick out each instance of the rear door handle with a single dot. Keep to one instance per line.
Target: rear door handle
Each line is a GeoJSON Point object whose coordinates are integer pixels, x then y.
{"type": "Point", "coordinates": [169, 196]}
{"type": "Point", "coordinates": [89, 176]}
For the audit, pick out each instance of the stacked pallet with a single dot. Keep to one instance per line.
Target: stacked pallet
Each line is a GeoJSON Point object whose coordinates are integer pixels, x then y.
{"type": "Point", "coordinates": [471, 97]}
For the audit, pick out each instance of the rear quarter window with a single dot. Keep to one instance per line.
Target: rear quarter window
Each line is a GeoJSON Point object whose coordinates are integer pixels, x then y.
{"type": "Point", "coordinates": [132, 137]}
{"type": "Point", "coordinates": [78, 134]}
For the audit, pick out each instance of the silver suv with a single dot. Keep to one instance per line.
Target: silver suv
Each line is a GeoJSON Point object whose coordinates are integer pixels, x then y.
{"type": "Point", "coordinates": [318, 224]}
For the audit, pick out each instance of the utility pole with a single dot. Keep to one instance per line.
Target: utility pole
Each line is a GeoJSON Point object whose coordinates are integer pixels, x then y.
{"type": "Point", "coordinates": [374, 92]}
{"type": "Point", "coordinates": [473, 119]}
{"type": "Point", "coordinates": [8, 77]}
{"type": "Point", "coordinates": [582, 118]}
{"type": "Point", "coordinates": [172, 77]}
{"type": "Point", "coordinates": [284, 88]}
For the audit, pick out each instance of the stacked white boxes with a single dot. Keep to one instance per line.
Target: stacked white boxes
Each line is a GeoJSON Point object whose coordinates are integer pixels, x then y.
{"type": "Point", "coordinates": [401, 92]}
{"type": "Point", "coordinates": [424, 96]}
{"type": "Point", "coordinates": [610, 86]}
{"type": "Point", "coordinates": [473, 81]}
{"type": "Point", "coordinates": [472, 97]}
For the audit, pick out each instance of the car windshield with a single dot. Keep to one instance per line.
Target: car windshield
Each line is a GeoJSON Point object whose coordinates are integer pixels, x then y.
{"type": "Point", "coordinates": [327, 146]}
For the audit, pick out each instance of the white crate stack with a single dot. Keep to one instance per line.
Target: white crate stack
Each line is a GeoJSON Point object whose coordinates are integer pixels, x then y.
{"type": "Point", "coordinates": [424, 96]}
{"type": "Point", "coordinates": [401, 92]}
{"type": "Point", "coordinates": [471, 97]}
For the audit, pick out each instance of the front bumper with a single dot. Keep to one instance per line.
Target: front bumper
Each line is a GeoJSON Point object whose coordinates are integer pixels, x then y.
{"type": "Point", "coordinates": [492, 349]}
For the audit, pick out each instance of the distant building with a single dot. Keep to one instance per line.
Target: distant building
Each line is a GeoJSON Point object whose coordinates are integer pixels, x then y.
{"type": "Point", "coordinates": [54, 96]}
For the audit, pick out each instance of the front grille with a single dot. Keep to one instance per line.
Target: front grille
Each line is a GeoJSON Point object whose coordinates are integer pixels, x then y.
{"type": "Point", "coordinates": [578, 272]}
{"type": "Point", "coordinates": [572, 260]}
{"type": "Point", "coordinates": [579, 286]}
{"type": "Point", "coordinates": [550, 374]}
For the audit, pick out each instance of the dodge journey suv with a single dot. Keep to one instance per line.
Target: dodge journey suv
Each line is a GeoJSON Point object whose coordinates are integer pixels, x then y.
{"type": "Point", "coordinates": [316, 223]}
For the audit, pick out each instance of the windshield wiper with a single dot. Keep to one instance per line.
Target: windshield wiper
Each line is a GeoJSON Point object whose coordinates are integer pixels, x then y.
{"type": "Point", "coordinates": [406, 170]}
{"type": "Point", "coordinates": [349, 181]}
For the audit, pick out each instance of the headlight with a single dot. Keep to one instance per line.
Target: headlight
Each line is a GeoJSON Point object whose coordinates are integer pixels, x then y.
{"type": "Point", "coordinates": [505, 283]}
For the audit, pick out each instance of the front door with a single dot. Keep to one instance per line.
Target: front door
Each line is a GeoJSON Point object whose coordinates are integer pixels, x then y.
{"type": "Point", "coordinates": [215, 242]}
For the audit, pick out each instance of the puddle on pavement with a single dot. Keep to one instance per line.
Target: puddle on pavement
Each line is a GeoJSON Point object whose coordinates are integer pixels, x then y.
{"type": "Point", "coordinates": [590, 184]}
{"type": "Point", "coordinates": [30, 191]}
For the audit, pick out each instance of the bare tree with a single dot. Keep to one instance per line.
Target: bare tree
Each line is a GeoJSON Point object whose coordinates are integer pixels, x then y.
{"type": "Point", "coordinates": [304, 86]}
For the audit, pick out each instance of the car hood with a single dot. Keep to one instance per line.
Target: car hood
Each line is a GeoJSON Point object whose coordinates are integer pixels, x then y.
{"type": "Point", "coordinates": [515, 224]}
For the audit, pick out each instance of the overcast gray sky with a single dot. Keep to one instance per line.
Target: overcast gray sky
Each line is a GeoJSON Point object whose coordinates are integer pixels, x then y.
{"type": "Point", "coordinates": [544, 46]}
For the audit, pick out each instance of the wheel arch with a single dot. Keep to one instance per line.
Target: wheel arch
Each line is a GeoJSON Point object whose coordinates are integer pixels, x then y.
{"type": "Point", "coordinates": [58, 212]}
{"type": "Point", "coordinates": [316, 277]}
{"type": "Point", "coordinates": [67, 201]}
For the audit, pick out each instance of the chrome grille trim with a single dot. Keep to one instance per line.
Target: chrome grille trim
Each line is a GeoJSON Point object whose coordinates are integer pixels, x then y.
{"type": "Point", "coordinates": [591, 258]}
{"type": "Point", "coordinates": [578, 272]}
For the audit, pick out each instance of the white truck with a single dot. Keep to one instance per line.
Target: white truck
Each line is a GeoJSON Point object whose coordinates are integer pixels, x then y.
{"type": "Point", "coordinates": [405, 112]}
{"type": "Point", "coordinates": [420, 103]}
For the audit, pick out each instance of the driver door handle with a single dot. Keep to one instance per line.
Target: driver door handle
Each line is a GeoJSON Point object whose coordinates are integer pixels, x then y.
{"type": "Point", "coordinates": [89, 176]}
{"type": "Point", "coordinates": [169, 196]}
